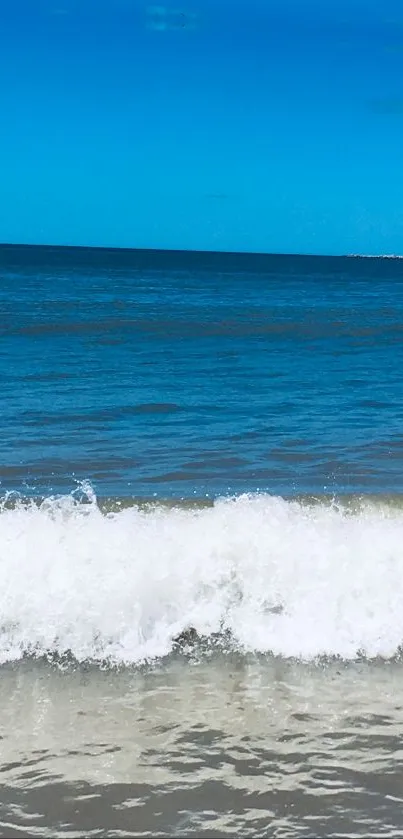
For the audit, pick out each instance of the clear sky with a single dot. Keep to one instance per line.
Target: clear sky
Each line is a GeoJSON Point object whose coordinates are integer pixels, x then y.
{"type": "Point", "coordinates": [214, 125]}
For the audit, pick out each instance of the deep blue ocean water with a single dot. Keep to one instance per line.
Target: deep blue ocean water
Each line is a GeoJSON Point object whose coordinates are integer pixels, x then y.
{"type": "Point", "coordinates": [181, 376]}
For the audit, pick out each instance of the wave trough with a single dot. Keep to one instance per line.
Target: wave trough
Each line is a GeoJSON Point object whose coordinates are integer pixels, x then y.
{"type": "Point", "coordinates": [278, 576]}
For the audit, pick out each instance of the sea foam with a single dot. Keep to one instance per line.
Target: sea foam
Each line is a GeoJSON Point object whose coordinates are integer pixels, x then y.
{"type": "Point", "coordinates": [276, 576]}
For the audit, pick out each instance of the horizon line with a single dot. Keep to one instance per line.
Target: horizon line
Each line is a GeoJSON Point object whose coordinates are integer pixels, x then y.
{"type": "Point", "coordinates": [195, 252]}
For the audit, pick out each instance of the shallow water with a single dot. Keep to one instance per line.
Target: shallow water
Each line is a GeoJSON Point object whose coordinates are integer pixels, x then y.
{"type": "Point", "coordinates": [212, 445]}
{"type": "Point", "coordinates": [224, 746]}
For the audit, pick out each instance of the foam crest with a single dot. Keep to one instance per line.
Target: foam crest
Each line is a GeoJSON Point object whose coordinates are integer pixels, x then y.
{"type": "Point", "coordinates": [280, 576]}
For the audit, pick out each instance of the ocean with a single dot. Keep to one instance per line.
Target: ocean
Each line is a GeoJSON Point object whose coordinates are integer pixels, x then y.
{"type": "Point", "coordinates": [201, 535]}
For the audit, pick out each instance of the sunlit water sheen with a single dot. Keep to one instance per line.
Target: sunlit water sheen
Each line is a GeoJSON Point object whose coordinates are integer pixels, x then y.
{"type": "Point", "coordinates": [213, 445]}
{"type": "Point", "coordinates": [230, 746]}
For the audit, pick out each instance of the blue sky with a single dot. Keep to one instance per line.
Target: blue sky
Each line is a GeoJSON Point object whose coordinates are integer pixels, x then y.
{"type": "Point", "coordinates": [212, 125]}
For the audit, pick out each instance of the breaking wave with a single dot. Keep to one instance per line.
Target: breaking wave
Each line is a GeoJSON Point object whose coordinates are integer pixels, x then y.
{"type": "Point", "coordinates": [120, 584]}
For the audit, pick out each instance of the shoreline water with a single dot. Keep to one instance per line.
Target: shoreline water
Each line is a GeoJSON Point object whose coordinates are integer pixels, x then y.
{"type": "Point", "coordinates": [215, 748]}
